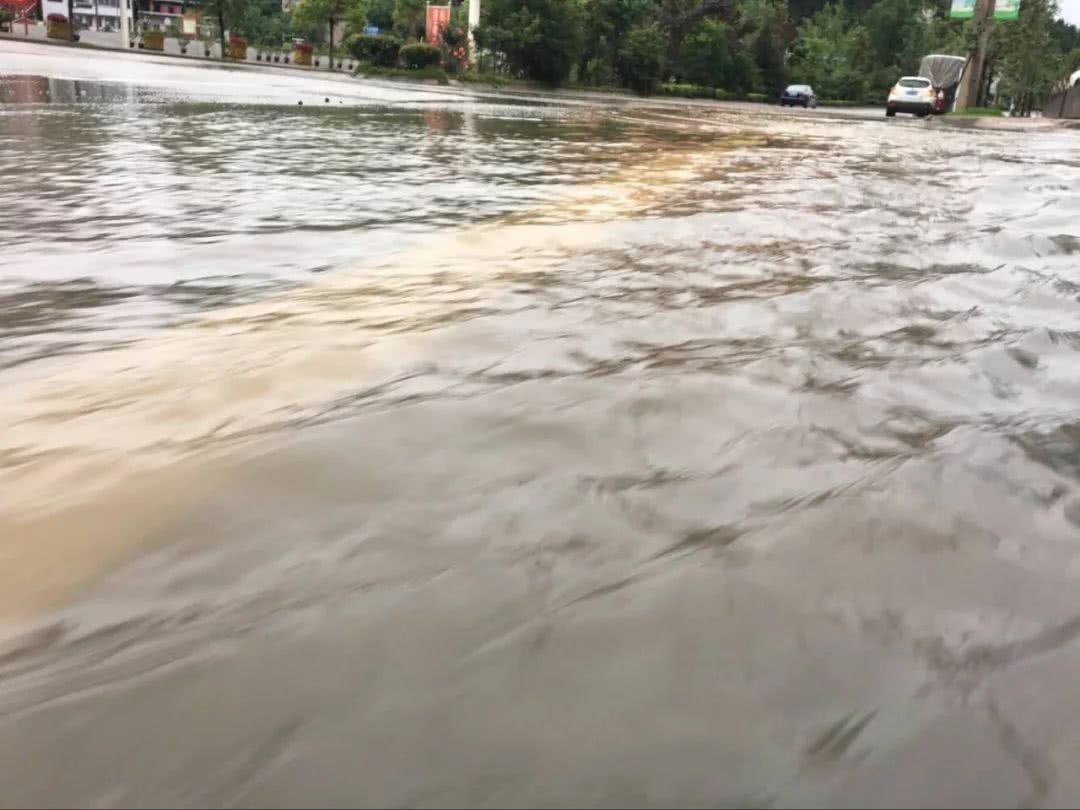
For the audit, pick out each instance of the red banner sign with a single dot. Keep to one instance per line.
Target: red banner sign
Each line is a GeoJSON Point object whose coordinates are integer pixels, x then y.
{"type": "Point", "coordinates": [438, 17]}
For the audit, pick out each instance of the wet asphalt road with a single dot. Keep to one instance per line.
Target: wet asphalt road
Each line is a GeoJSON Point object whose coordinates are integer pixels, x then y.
{"type": "Point", "coordinates": [428, 448]}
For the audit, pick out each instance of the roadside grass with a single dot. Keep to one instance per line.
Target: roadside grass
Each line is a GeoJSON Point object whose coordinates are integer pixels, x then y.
{"type": "Point", "coordinates": [979, 112]}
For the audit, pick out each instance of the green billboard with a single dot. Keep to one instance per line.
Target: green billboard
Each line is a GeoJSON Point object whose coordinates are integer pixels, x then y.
{"type": "Point", "coordinates": [1006, 9]}
{"type": "Point", "coordinates": [962, 9]}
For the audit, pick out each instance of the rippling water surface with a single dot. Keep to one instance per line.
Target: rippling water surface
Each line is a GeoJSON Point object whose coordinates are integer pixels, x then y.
{"type": "Point", "coordinates": [425, 448]}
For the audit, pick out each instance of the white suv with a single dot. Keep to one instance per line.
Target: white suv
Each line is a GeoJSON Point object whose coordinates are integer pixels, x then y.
{"type": "Point", "coordinates": [912, 94]}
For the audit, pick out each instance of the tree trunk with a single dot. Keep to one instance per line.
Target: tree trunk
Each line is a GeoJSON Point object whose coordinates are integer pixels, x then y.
{"type": "Point", "coordinates": [984, 83]}
{"type": "Point", "coordinates": [331, 43]}
{"type": "Point", "coordinates": [221, 27]}
{"type": "Point", "coordinates": [71, 23]}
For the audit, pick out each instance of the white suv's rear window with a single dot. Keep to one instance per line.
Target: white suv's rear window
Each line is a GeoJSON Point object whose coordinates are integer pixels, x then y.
{"type": "Point", "coordinates": [914, 82]}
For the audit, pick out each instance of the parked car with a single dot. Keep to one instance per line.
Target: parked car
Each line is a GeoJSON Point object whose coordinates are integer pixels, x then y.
{"type": "Point", "coordinates": [912, 94]}
{"type": "Point", "coordinates": [798, 95]}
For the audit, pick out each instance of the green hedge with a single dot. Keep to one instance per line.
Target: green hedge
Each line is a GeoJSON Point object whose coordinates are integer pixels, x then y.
{"type": "Point", "coordinates": [692, 91]}
{"type": "Point", "coordinates": [419, 55]}
{"type": "Point", "coordinates": [375, 49]}
{"type": "Point", "coordinates": [423, 74]}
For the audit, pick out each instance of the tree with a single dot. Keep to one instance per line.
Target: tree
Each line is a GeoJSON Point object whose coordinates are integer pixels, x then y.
{"type": "Point", "coordinates": [834, 55]}
{"type": "Point", "coordinates": [898, 34]}
{"type": "Point", "coordinates": [705, 55]}
{"type": "Point", "coordinates": [329, 12]}
{"type": "Point", "coordinates": [262, 22]}
{"type": "Point", "coordinates": [641, 58]}
{"type": "Point", "coordinates": [606, 24]}
{"type": "Point", "coordinates": [539, 39]}
{"type": "Point", "coordinates": [1030, 61]}
{"type": "Point", "coordinates": [410, 18]}
{"type": "Point", "coordinates": [380, 13]}
{"type": "Point", "coordinates": [769, 52]}
{"type": "Point", "coordinates": [226, 13]}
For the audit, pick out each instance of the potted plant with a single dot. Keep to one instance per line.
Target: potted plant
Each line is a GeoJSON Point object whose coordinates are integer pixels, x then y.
{"type": "Point", "coordinates": [237, 47]}
{"type": "Point", "coordinates": [153, 40]}
{"type": "Point", "coordinates": [302, 52]}
{"type": "Point", "coordinates": [57, 27]}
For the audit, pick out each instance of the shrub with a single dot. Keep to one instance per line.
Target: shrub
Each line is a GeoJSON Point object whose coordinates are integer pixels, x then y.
{"type": "Point", "coordinates": [454, 37]}
{"type": "Point", "coordinates": [426, 74]}
{"type": "Point", "coordinates": [375, 49]}
{"type": "Point", "coordinates": [692, 91]}
{"type": "Point", "coordinates": [641, 58]}
{"type": "Point", "coordinates": [419, 55]}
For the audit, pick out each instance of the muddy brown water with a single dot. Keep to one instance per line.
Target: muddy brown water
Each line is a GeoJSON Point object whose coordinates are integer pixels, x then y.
{"type": "Point", "coordinates": [423, 448]}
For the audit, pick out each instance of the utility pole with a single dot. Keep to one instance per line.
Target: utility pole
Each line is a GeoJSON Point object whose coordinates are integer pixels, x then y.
{"type": "Point", "coordinates": [968, 96]}
{"type": "Point", "coordinates": [125, 36]}
{"type": "Point", "coordinates": [474, 21]}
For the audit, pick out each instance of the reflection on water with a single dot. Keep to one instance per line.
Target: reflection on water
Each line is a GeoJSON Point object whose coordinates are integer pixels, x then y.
{"type": "Point", "coordinates": [471, 454]}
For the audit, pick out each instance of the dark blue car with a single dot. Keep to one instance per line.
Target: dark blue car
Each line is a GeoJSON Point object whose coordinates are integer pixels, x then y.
{"type": "Point", "coordinates": [798, 95]}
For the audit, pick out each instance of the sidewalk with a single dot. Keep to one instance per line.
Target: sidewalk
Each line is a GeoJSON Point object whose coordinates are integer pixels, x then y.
{"type": "Point", "coordinates": [110, 41]}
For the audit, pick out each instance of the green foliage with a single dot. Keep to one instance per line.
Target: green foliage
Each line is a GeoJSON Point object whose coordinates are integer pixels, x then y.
{"type": "Point", "coordinates": [410, 18]}
{"type": "Point", "coordinates": [834, 55]}
{"type": "Point", "coordinates": [263, 23]}
{"type": "Point", "coordinates": [222, 15]}
{"type": "Point", "coordinates": [492, 79]}
{"type": "Point", "coordinates": [380, 13]}
{"type": "Point", "coordinates": [322, 12]}
{"type": "Point", "coordinates": [538, 39]}
{"type": "Point", "coordinates": [769, 51]}
{"type": "Point", "coordinates": [981, 112]}
{"type": "Point", "coordinates": [605, 24]}
{"type": "Point", "coordinates": [848, 50]}
{"type": "Point", "coordinates": [454, 37]}
{"type": "Point", "coordinates": [1028, 75]}
{"type": "Point", "coordinates": [640, 60]}
{"type": "Point", "coordinates": [422, 74]}
{"type": "Point", "coordinates": [375, 49]}
{"type": "Point", "coordinates": [420, 55]}
{"type": "Point", "coordinates": [678, 90]}
{"type": "Point", "coordinates": [705, 56]}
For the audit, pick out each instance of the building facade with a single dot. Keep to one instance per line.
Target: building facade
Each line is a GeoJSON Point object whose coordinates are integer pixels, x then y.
{"type": "Point", "coordinates": [104, 15]}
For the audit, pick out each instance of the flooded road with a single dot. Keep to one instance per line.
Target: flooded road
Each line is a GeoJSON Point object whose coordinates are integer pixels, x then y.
{"type": "Point", "coordinates": [419, 448]}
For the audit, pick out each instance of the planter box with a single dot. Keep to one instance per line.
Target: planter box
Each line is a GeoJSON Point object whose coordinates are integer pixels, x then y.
{"type": "Point", "coordinates": [154, 41]}
{"type": "Point", "coordinates": [57, 27]}
{"type": "Point", "coordinates": [237, 48]}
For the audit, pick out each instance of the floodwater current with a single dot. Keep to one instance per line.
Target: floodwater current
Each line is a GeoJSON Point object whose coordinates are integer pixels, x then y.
{"type": "Point", "coordinates": [421, 447]}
